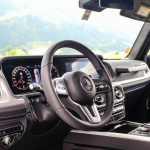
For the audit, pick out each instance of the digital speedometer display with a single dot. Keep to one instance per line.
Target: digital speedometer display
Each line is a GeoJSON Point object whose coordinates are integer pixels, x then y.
{"type": "Point", "coordinates": [21, 78]}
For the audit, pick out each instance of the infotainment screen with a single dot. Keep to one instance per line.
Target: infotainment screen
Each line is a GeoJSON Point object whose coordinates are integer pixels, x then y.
{"type": "Point", "coordinates": [81, 64]}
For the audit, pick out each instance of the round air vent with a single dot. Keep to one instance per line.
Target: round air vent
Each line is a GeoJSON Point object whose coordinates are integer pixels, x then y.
{"type": "Point", "coordinates": [100, 99]}
{"type": "Point", "coordinates": [118, 93]}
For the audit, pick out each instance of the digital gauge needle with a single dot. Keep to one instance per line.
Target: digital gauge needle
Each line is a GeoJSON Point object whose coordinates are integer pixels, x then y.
{"type": "Point", "coordinates": [19, 81]}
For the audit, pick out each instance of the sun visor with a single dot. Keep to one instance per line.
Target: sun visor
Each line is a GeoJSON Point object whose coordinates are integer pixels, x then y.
{"type": "Point", "coordinates": [140, 12]}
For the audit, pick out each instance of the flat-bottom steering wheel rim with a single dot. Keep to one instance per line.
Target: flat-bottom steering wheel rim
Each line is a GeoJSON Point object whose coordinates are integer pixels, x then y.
{"type": "Point", "coordinates": [52, 97]}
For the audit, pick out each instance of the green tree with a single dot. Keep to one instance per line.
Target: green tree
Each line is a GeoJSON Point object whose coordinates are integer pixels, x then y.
{"type": "Point", "coordinates": [116, 53]}
{"type": "Point", "coordinates": [12, 51]}
{"type": "Point", "coordinates": [9, 48]}
{"type": "Point", "coordinates": [3, 52]}
{"type": "Point", "coordinates": [16, 51]}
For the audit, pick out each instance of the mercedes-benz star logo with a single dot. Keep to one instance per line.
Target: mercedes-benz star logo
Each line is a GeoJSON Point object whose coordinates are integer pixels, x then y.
{"type": "Point", "coordinates": [86, 83]}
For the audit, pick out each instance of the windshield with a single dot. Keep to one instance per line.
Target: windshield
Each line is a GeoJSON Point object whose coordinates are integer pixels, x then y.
{"type": "Point", "coordinates": [30, 27]}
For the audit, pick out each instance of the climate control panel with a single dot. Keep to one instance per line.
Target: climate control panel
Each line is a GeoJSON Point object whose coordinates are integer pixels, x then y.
{"type": "Point", "coordinates": [119, 108]}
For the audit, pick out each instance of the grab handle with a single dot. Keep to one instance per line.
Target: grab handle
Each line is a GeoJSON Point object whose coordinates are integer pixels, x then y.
{"type": "Point", "coordinates": [131, 69]}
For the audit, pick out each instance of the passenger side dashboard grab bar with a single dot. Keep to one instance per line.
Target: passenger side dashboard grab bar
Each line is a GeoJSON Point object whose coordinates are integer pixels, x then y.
{"type": "Point", "coordinates": [131, 69]}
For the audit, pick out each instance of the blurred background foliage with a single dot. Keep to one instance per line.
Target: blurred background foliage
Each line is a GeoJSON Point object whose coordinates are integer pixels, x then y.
{"type": "Point", "coordinates": [9, 51]}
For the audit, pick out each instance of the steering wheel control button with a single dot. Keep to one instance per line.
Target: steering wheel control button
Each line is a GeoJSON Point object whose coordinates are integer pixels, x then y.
{"type": "Point", "coordinates": [86, 84]}
{"type": "Point", "coordinates": [101, 86]}
{"type": "Point", "coordinates": [60, 86]}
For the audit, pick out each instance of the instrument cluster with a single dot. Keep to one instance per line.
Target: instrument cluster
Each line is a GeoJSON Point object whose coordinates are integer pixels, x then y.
{"type": "Point", "coordinates": [22, 77]}
{"type": "Point", "coordinates": [21, 71]}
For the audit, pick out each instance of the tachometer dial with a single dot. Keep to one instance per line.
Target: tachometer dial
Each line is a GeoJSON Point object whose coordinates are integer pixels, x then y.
{"type": "Point", "coordinates": [54, 73]}
{"type": "Point", "coordinates": [21, 78]}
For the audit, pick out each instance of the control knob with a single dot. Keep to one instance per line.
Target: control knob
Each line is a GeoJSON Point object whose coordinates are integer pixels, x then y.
{"type": "Point", "coordinates": [99, 99]}
{"type": "Point", "coordinates": [118, 93]}
{"type": "Point", "coordinates": [7, 140]}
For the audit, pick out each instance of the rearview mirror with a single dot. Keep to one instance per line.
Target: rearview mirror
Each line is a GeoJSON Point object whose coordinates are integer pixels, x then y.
{"type": "Point", "coordinates": [118, 4]}
{"type": "Point", "coordinates": [92, 5]}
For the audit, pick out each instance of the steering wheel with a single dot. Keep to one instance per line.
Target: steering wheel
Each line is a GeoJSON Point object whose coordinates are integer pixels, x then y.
{"type": "Point", "coordinates": [75, 90]}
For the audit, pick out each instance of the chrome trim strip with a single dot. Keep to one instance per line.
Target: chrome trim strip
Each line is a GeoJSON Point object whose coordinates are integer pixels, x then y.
{"type": "Point", "coordinates": [146, 76]}
{"type": "Point", "coordinates": [133, 89]}
{"type": "Point", "coordinates": [1, 92]}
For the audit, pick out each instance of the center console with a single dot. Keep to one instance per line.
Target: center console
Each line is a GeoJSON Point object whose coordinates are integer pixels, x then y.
{"type": "Point", "coordinates": [115, 137]}
{"type": "Point", "coordinates": [119, 108]}
{"type": "Point", "coordinates": [141, 130]}
{"type": "Point", "coordinates": [117, 134]}
{"type": "Point", "coordinates": [116, 124]}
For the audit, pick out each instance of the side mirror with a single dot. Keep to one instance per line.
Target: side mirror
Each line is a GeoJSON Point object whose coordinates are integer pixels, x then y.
{"type": "Point", "coordinates": [117, 4]}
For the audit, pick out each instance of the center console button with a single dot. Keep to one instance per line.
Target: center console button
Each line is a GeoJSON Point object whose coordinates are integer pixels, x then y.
{"type": "Point", "coordinates": [143, 128]}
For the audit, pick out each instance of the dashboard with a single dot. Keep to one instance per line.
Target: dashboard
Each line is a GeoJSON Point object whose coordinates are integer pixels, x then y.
{"type": "Point", "coordinates": [20, 73]}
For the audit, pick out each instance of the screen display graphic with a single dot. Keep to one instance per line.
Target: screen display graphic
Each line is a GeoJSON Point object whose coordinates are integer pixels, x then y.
{"type": "Point", "coordinates": [83, 65]}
